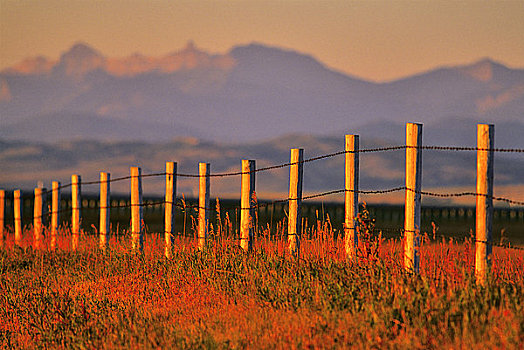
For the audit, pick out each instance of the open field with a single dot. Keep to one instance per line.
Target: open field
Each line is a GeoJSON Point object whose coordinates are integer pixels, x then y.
{"type": "Point", "coordinates": [451, 221]}
{"type": "Point", "coordinates": [224, 298]}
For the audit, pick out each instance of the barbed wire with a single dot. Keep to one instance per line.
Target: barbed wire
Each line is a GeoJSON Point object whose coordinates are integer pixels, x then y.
{"type": "Point", "coordinates": [308, 197]}
{"type": "Point", "coordinates": [462, 148]}
{"type": "Point", "coordinates": [262, 205]}
{"type": "Point", "coordinates": [468, 238]}
{"type": "Point", "coordinates": [183, 205]}
{"type": "Point", "coordinates": [462, 194]}
{"type": "Point", "coordinates": [257, 205]}
{"type": "Point", "coordinates": [283, 165]}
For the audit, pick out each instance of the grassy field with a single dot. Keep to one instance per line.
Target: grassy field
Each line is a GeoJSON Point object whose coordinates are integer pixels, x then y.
{"type": "Point", "coordinates": [224, 298]}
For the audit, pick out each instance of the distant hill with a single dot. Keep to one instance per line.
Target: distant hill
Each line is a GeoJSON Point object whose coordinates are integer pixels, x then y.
{"type": "Point", "coordinates": [25, 163]}
{"type": "Point", "coordinates": [251, 93]}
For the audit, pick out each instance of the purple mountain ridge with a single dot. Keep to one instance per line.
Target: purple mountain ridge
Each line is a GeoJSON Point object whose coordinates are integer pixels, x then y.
{"type": "Point", "coordinates": [251, 93]}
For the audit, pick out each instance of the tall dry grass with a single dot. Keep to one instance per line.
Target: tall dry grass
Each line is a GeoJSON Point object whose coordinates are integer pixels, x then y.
{"type": "Point", "coordinates": [222, 297]}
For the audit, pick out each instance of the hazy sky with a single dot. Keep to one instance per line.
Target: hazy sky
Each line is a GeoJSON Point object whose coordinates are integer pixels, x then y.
{"type": "Point", "coordinates": [377, 40]}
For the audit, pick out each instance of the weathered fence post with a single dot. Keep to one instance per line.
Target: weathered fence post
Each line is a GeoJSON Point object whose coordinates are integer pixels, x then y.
{"type": "Point", "coordinates": [351, 196]}
{"type": "Point", "coordinates": [246, 204]}
{"type": "Point", "coordinates": [295, 200]}
{"type": "Point", "coordinates": [76, 204]}
{"type": "Point", "coordinates": [17, 213]}
{"type": "Point", "coordinates": [413, 196]}
{"type": "Point", "coordinates": [483, 239]}
{"type": "Point", "coordinates": [203, 203]}
{"type": "Point", "coordinates": [55, 212]}
{"type": "Point", "coordinates": [2, 216]}
{"type": "Point", "coordinates": [38, 217]}
{"type": "Point", "coordinates": [169, 207]}
{"type": "Point", "coordinates": [137, 213]}
{"type": "Point", "coordinates": [105, 193]}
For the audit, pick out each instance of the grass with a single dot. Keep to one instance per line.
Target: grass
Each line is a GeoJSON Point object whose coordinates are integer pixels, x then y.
{"type": "Point", "coordinates": [224, 298]}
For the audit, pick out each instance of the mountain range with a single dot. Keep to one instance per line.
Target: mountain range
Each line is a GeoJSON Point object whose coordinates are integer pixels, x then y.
{"type": "Point", "coordinates": [249, 94]}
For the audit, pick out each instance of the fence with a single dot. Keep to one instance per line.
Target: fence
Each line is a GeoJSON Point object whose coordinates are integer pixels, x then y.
{"type": "Point", "coordinates": [412, 216]}
{"type": "Point", "coordinates": [452, 220]}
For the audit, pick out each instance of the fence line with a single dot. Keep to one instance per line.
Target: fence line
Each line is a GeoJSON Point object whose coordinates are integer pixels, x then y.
{"type": "Point", "coordinates": [283, 200]}
{"type": "Point", "coordinates": [308, 160]}
{"type": "Point", "coordinates": [204, 207]}
{"type": "Point", "coordinates": [178, 204]}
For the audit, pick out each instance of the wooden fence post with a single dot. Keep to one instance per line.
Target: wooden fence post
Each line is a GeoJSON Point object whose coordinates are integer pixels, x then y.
{"type": "Point", "coordinates": [483, 239]}
{"type": "Point", "coordinates": [17, 213]}
{"type": "Point", "coordinates": [203, 203]}
{"type": "Point", "coordinates": [137, 213]}
{"type": "Point", "coordinates": [105, 200]}
{"type": "Point", "coordinates": [169, 207]}
{"type": "Point", "coordinates": [38, 217]}
{"type": "Point", "coordinates": [351, 196]}
{"type": "Point", "coordinates": [55, 212]}
{"type": "Point", "coordinates": [247, 210]}
{"type": "Point", "coordinates": [2, 217]}
{"type": "Point", "coordinates": [413, 196]}
{"type": "Point", "coordinates": [295, 200]}
{"type": "Point", "coordinates": [76, 204]}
